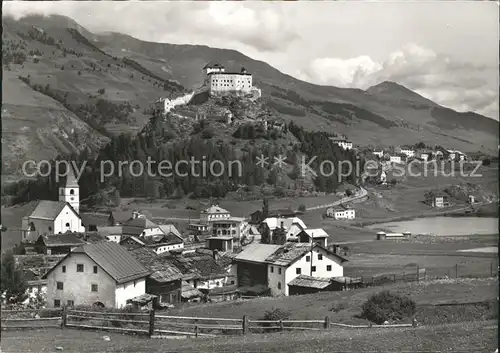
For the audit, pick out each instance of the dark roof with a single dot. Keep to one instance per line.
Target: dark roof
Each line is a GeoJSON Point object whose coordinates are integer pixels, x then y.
{"type": "Point", "coordinates": [230, 73]}
{"type": "Point", "coordinates": [197, 266]}
{"type": "Point", "coordinates": [111, 230]}
{"type": "Point", "coordinates": [310, 282]}
{"type": "Point", "coordinates": [49, 209]}
{"type": "Point", "coordinates": [213, 65]}
{"type": "Point", "coordinates": [98, 219]}
{"type": "Point", "coordinates": [67, 239]}
{"type": "Point", "coordinates": [38, 264]}
{"type": "Point", "coordinates": [136, 226]}
{"type": "Point", "coordinates": [113, 259]}
{"type": "Point", "coordinates": [291, 252]}
{"type": "Point", "coordinates": [163, 270]}
{"type": "Point", "coordinates": [71, 181]}
{"type": "Point", "coordinates": [188, 291]}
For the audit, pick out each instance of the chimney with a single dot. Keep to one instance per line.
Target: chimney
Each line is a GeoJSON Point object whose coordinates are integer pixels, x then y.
{"type": "Point", "coordinates": [282, 227]}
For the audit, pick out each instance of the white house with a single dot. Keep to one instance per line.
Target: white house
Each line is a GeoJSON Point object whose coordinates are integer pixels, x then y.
{"type": "Point", "coordinates": [424, 156]}
{"type": "Point", "coordinates": [284, 263]}
{"type": "Point", "coordinates": [395, 159]}
{"type": "Point", "coordinates": [104, 274]}
{"type": "Point", "coordinates": [214, 213]}
{"type": "Point", "coordinates": [345, 144]}
{"type": "Point", "coordinates": [379, 154]}
{"type": "Point", "coordinates": [408, 152]}
{"type": "Point", "coordinates": [140, 226]}
{"type": "Point", "coordinates": [341, 212]}
{"type": "Point", "coordinates": [316, 235]}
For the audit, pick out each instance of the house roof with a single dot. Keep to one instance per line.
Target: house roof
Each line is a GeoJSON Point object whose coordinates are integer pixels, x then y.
{"type": "Point", "coordinates": [230, 73]}
{"type": "Point", "coordinates": [170, 228]}
{"type": "Point", "coordinates": [108, 231]}
{"type": "Point", "coordinates": [213, 66]}
{"type": "Point", "coordinates": [229, 219]}
{"type": "Point", "coordinates": [311, 282]}
{"type": "Point", "coordinates": [275, 222]}
{"type": "Point", "coordinates": [316, 233]}
{"type": "Point", "coordinates": [138, 225]}
{"type": "Point", "coordinates": [188, 291]}
{"type": "Point", "coordinates": [49, 210]}
{"type": "Point", "coordinates": [257, 252]}
{"type": "Point", "coordinates": [215, 209]}
{"type": "Point", "coordinates": [197, 266]}
{"type": "Point", "coordinates": [163, 270]}
{"type": "Point", "coordinates": [291, 252]}
{"type": "Point", "coordinates": [113, 259]}
{"type": "Point", "coordinates": [67, 239]}
{"type": "Point", "coordinates": [98, 219]}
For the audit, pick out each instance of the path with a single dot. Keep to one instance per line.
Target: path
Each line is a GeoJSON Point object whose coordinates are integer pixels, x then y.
{"type": "Point", "coordinates": [359, 195]}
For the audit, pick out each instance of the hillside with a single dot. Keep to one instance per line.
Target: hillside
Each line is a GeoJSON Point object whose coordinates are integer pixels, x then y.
{"type": "Point", "coordinates": [80, 88]}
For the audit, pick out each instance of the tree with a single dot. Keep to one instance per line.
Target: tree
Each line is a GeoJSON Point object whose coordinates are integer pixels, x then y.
{"type": "Point", "coordinates": [393, 182]}
{"type": "Point", "coordinates": [302, 208]}
{"type": "Point", "coordinates": [265, 236]}
{"type": "Point", "coordinates": [387, 306]}
{"type": "Point", "coordinates": [348, 192]}
{"type": "Point", "coordinates": [265, 208]}
{"type": "Point", "coordinates": [486, 161]}
{"type": "Point", "coordinates": [12, 283]}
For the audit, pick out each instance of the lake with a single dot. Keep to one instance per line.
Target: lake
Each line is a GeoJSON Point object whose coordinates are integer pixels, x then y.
{"type": "Point", "coordinates": [442, 226]}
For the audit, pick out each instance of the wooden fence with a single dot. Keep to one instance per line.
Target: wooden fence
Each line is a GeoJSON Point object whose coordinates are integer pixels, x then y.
{"type": "Point", "coordinates": [157, 326]}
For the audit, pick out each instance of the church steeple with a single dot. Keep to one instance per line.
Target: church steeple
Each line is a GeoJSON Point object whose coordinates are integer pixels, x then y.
{"type": "Point", "coordinates": [70, 192]}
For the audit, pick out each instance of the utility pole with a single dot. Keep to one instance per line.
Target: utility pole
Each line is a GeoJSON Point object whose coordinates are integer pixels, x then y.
{"type": "Point", "coordinates": [312, 246]}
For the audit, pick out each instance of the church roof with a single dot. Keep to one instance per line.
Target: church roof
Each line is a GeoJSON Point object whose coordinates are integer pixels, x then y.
{"type": "Point", "coordinates": [71, 181]}
{"type": "Point", "coordinates": [49, 210]}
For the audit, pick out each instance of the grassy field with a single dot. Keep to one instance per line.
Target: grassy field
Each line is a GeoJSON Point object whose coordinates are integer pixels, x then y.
{"type": "Point", "coordinates": [464, 337]}
{"type": "Point", "coordinates": [344, 306]}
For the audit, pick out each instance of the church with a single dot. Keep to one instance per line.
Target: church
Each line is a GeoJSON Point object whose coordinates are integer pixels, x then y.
{"type": "Point", "coordinates": [46, 217]}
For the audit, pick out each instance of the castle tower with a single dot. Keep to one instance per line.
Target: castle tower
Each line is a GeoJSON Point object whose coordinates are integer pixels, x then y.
{"type": "Point", "coordinates": [70, 192]}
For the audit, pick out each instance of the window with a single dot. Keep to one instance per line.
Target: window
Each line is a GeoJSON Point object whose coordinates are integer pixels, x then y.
{"type": "Point", "coordinates": [320, 256]}
{"type": "Point", "coordinates": [57, 303]}
{"type": "Point", "coordinates": [279, 285]}
{"type": "Point", "coordinates": [79, 267]}
{"type": "Point", "coordinates": [95, 269]}
{"type": "Point", "coordinates": [64, 269]}
{"type": "Point", "coordinates": [72, 192]}
{"type": "Point", "coordinates": [279, 270]}
{"type": "Point", "coordinates": [232, 282]}
{"type": "Point", "coordinates": [50, 229]}
{"type": "Point", "coordinates": [272, 269]}
{"type": "Point", "coordinates": [308, 258]}
{"type": "Point", "coordinates": [328, 267]}
{"type": "Point", "coordinates": [298, 271]}
{"type": "Point", "coordinates": [71, 303]}
{"type": "Point", "coordinates": [313, 268]}
{"type": "Point", "coordinates": [93, 287]}
{"type": "Point", "coordinates": [60, 286]}
{"type": "Point", "coordinates": [67, 224]}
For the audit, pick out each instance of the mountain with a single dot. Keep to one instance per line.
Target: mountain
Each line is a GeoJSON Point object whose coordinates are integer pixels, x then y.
{"type": "Point", "coordinates": [66, 88]}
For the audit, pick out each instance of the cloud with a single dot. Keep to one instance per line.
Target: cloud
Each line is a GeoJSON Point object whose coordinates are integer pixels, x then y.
{"type": "Point", "coordinates": [457, 85]}
{"type": "Point", "coordinates": [221, 24]}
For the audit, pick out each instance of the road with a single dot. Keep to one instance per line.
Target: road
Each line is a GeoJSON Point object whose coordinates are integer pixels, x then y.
{"type": "Point", "coordinates": [359, 195]}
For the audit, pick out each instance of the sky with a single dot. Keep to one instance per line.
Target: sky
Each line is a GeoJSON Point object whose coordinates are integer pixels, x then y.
{"type": "Point", "coordinates": [447, 51]}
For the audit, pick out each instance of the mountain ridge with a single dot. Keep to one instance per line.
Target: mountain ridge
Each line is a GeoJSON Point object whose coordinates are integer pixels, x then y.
{"type": "Point", "coordinates": [120, 70]}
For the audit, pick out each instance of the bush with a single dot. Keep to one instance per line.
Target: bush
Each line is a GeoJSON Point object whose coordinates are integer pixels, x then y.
{"type": "Point", "coordinates": [275, 314]}
{"type": "Point", "coordinates": [302, 208]}
{"type": "Point", "coordinates": [387, 306]}
{"type": "Point", "coordinates": [486, 161]}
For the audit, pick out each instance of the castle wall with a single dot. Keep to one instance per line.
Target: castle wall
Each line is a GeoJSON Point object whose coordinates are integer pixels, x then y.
{"type": "Point", "coordinates": [230, 82]}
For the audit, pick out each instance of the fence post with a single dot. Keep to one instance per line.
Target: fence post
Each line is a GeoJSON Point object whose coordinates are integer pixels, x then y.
{"type": "Point", "coordinates": [196, 331]}
{"type": "Point", "coordinates": [326, 324]}
{"type": "Point", "coordinates": [456, 271]}
{"type": "Point", "coordinates": [394, 276]}
{"type": "Point", "coordinates": [64, 317]}
{"type": "Point", "coordinates": [418, 274]}
{"type": "Point", "coordinates": [491, 269]}
{"type": "Point", "coordinates": [151, 322]}
{"type": "Point", "coordinates": [245, 325]}
{"type": "Point", "coordinates": [281, 325]}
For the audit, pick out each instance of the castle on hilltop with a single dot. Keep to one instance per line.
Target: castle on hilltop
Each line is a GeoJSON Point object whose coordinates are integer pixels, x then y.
{"type": "Point", "coordinates": [219, 81]}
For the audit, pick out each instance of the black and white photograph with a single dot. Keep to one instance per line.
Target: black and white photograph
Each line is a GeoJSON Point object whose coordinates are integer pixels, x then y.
{"type": "Point", "coordinates": [250, 176]}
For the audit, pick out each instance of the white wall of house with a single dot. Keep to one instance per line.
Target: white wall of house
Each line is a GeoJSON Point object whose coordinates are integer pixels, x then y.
{"type": "Point", "coordinates": [276, 279]}
{"type": "Point", "coordinates": [212, 283]}
{"type": "Point", "coordinates": [114, 238]}
{"type": "Point", "coordinates": [345, 214]}
{"type": "Point", "coordinates": [151, 231]}
{"type": "Point", "coordinates": [223, 82]}
{"type": "Point", "coordinates": [293, 231]}
{"type": "Point", "coordinates": [322, 270]}
{"type": "Point", "coordinates": [164, 248]}
{"type": "Point", "coordinates": [395, 159]}
{"type": "Point", "coordinates": [232, 275]}
{"type": "Point", "coordinates": [77, 285]}
{"type": "Point", "coordinates": [129, 290]}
